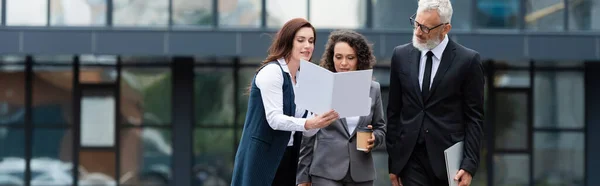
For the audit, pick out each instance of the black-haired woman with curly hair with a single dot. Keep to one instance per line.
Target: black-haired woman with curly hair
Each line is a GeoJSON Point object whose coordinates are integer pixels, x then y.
{"type": "Point", "coordinates": [331, 157]}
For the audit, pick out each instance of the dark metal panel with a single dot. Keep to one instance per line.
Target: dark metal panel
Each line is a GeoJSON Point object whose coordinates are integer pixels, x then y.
{"type": "Point", "coordinates": [183, 120]}
{"type": "Point", "coordinates": [205, 44]}
{"type": "Point", "coordinates": [562, 47]}
{"type": "Point", "coordinates": [592, 124]}
{"type": "Point", "coordinates": [130, 42]}
{"type": "Point", "coordinates": [10, 42]}
{"type": "Point", "coordinates": [254, 44]}
{"type": "Point", "coordinates": [67, 42]}
{"type": "Point", "coordinates": [391, 41]}
{"type": "Point", "coordinates": [507, 47]}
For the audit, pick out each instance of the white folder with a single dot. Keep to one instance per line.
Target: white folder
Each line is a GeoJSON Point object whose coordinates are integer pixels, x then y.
{"type": "Point", "coordinates": [320, 90]}
{"type": "Point", "coordinates": [454, 156]}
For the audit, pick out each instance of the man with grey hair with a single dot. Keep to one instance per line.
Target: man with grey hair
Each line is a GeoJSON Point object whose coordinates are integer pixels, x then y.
{"type": "Point", "coordinates": [435, 101]}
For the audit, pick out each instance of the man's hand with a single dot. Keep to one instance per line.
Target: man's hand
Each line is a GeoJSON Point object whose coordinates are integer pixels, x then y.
{"type": "Point", "coordinates": [304, 184]}
{"type": "Point", "coordinates": [371, 141]}
{"type": "Point", "coordinates": [463, 177]}
{"type": "Point", "coordinates": [395, 180]}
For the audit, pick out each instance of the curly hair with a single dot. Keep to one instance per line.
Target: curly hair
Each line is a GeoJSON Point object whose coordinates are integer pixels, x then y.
{"type": "Point", "coordinates": [362, 48]}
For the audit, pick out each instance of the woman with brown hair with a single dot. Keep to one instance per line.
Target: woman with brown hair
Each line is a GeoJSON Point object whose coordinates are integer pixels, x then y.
{"type": "Point", "coordinates": [331, 157]}
{"type": "Point", "coordinates": [270, 142]}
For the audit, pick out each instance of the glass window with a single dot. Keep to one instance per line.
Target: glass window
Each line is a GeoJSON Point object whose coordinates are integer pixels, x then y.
{"type": "Point", "coordinates": [512, 79]}
{"type": "Point", "coordinates": [382, 75]}
{"type": "Point", "coordinates": [511, 121]}
{"type": "Point", "coordinates": [559, 99]}
{"type": "Point", "coordinates": [97, 118]}
{"type": "Point", "coordinates": [213, 154]}
{"type": "Point", "coordinates": [192, 12]}
{"type": "Point", "coordinates": [497, 14]}
{"type": "Point", "coordinates": [338, 13]}
{"type": "Point", "coordinates": [52, 150]}
{"type": "Point", "coordinates": [146, 156]}
{"type": "Point", "coordinates": [214, 91]}
{"type": "Point", "coordinates": [584, 15]}
{"type": "Point", "coordinates": [462, 14]}
{"type": "Point", "coordinates": [78, 12]}
{"type": "Point", "coordinates": [12, 94]}
{"type": "Point", "coordinates": [511, 170]}
{"type": "Point", "coordinates": [52, 95]}
{"type": "Point", "coordinates": [393, 14]}
{"type": "Point", "coordinates": [26, 12]}
{"type": "Point", "coordinates": [97, 167]}
{"type": "Point", "coordinates": [140, 12]}
{"type": "Point", "coordinates": [390, 14]}
{"type": "Point", "coordinates": [559, 158]}
{"type": "Point", "coordinates": [245, 80]}
{"type": "Point", "coordinates": [281, 11]}
{"type": "Point", "coordinates": [380, 159]}
{"type": "Point", "coordinates": [239, 13]}
{"type": "Point", "coordinates": [146, 96]}
{"type": "Point", "coordinates": [12, 162]}
{"type": "Point", "coordinates": [546, 15]}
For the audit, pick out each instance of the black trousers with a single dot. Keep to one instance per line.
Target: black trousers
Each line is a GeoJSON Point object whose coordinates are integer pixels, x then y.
{"type": "Point", "coordinates": [286, 172]}
{"type": "Point", "coordinates": [418, 170]}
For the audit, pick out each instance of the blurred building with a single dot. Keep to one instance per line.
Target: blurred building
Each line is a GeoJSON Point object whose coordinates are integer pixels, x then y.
{"type": "Point", "coordinates": [150, 92]}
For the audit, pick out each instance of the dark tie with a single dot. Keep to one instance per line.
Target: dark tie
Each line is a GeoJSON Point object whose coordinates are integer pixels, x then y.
{"type": "Point", "coordinates": [427, 76]}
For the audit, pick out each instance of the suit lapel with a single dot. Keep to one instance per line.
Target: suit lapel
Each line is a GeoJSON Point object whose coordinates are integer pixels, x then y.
{"type": "Point", "coordinates": [415, 60]}
{"type": "Point", "coordinates": [445, 63]}
{"type": "Point", "coordinates": [344, 126]}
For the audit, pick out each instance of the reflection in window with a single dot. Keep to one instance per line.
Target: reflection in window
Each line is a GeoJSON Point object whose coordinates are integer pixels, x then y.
{"type": "Point", "coordinates": [146, 96]}
{"type": "Point", "coordinates": [281, 11]}
{"type": "Point", "coordinates": [214, 155]}
{"type": "Point", "coordinates": [245, 80]}
{"type": "Point", "coordinates": [12, 95]}
{"type": "Point", "coordinates": [559, 158]}
{"type": "Point", "coordinates": [26, 12]}
{"type": "Point", "coordinates": [559, 99]}
{"type": "Point", "coordinates": [338, 13]}
{"type": "Point", "coordinates": [98, 167]}
{"type": "Point", "coordinates": [140, 12]}
{"type": "Point", "coordinates": [584, 15]}
{"type": "Point", "coordinates": [512, 79]}
{"type": "Point", "coordinates": [52, 95]}
{"type": "Point", "coordinates": [12, 162]}
{"type": "Point", "coordinates": [497, 14]}
{"type": "Point", "coordinates": [393, 13]}
{"type": "Point", "coordinates": [239, 13]}
{"type": "Point", "coordinates": [213, 96]}
{"type": "Point", "coordinates": [97, 120]}
{"type": "Point", "coordinates": [511, 121]}
{"type": "Point", "coordinates": [146, 155]}
{"type": "Point", "coordinates": [192, 12]}
{"type": "Point", "coordinates": [52, 152]}
{"type": "Point", "coordinates": [547, 15]}
{"type": "Point", "coordinates": [511, 170]}
{"type": "Point", "coordinates": [77, 12]}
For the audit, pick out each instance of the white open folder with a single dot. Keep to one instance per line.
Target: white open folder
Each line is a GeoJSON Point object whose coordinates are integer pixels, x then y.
{"type": "Point", "coordinates": [320, 90]}
{"type": "Point", "coordinates": [454, 156]}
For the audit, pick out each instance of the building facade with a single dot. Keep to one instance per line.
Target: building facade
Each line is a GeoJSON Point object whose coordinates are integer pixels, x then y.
{"type": "Point", "coordinates": [138, 92]}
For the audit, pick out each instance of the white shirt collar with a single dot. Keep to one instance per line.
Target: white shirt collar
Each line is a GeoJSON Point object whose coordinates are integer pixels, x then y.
{"type": "Point", "coordinates": [283, 65]}
{"type": "Point", "coordinates": [439, 49]}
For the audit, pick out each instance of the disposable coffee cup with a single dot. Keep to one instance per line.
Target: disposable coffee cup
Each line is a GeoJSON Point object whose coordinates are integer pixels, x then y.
{"type": "Point", "coordinates": [363, 134]}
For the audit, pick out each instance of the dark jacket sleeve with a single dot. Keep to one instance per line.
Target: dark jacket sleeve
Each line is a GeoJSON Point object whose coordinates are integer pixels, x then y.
{"type": "Point", "coordinates": [473, 88]}
{"type": "Point", "coordinates": [393, 113]}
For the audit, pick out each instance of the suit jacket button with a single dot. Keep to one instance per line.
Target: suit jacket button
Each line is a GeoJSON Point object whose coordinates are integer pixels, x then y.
{"type": "Point", "coordinates": [426, 130]}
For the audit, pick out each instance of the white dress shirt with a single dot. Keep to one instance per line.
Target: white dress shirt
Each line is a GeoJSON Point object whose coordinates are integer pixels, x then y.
{"type": "Point", "coordinates": [352, 123]}
{"type": "Point", "coordinates": [270, 80]}
{"type": "Point", "coordinates": [436, 59]}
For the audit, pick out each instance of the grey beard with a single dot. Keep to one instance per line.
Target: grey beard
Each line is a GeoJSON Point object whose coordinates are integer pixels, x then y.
{"type": "Point", "coordinates": [430, 44]}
